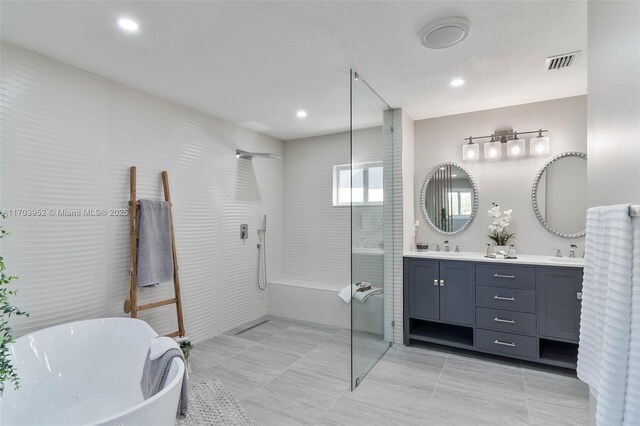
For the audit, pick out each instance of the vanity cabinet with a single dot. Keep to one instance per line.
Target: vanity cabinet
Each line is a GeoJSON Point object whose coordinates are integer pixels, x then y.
{"type": "Point", "coordinates": [528, 312]}
{"type": "Point", "coordinates": [457, 293]}
{"type": "Point", "coordinates": [424, 279]}
{"type": "Point", "coordinates": [441, 291]}
{"type": "Point", "coordinates": [559, 300]}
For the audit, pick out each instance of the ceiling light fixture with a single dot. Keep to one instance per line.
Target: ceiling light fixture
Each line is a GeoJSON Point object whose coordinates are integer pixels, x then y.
{"type": "Point", "coordinates": [301, 114]}
{"type": "Point", "coordinates": [445, 33]}
{"type": "Point", "coordinates": [128, 25]}
{"type": "Point", "coordinates": [457, 82]}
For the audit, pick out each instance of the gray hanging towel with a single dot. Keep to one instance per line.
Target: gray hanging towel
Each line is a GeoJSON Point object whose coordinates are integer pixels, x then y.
{"type": "Point", "coordinates": [155, 254]}
{"type": "Point", "coordinates": [154, 378]}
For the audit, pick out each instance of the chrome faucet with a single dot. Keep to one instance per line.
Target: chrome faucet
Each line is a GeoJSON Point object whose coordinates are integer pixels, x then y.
{"type": "Point", "coordinates": [457, 249]}
{"type": "Point", "coordinates": [437, 247]}
{"type": "Point", "coordinates": [446, 246]}
{"type": "Point", "coordinates": [558, 253]}
{"type": "Point", "coordinates": [572, 252]}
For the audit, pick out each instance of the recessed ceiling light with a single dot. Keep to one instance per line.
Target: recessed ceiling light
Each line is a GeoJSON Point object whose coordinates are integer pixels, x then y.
{"type": "Point", "coordinates": [301, 114]}
{"type": "Point", "coordinates": [128, 24]}
{"type": "Point", "coordinates": [457, 82]}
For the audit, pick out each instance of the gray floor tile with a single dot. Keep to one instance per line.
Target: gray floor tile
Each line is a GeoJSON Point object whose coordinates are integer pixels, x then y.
{"type": "Point", "coordinates": [269, 410]}
{"type": "Point", "coordinates": [349, 412]}
{"type": "Point", "coordinates": [450, 407]}
{"type": "Point", "coordinates": [288, 372]}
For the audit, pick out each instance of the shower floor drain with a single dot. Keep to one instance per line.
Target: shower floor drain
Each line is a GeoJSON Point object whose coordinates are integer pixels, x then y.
{"type": "Point", "coordinates": [252, 327]}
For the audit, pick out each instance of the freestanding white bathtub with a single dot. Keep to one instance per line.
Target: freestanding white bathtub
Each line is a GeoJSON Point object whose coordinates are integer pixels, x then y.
{"type": "Point", "coordinates": [88, 373]}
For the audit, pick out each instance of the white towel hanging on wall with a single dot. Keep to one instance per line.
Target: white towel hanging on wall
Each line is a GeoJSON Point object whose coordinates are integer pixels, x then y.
{"type": "Point", "coordinates": [605, 353]}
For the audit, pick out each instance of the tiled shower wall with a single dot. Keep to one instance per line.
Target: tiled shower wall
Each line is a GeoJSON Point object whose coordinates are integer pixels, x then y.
{"type": "Point", "coordinates": [68, 138]}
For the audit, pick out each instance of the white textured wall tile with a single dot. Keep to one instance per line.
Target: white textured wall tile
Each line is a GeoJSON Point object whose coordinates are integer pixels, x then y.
{"type": "Point", "coordinates": [52, 85]}
{"type": "Point", "coordinates": [68, 140]}
{"type": "Point", "coordinates": [317, 234]}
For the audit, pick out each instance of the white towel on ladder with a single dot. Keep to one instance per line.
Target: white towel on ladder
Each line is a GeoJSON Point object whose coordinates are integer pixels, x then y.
{"type": "Point", "coordinates": [605, 327]}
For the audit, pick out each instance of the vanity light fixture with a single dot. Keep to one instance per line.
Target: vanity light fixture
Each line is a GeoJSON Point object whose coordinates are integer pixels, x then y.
{"type": "Point", "coordinates": [539, 145]}
{"type": "Point", "coordinates": [493, 149]}
{"type": "Point", "coordinates": [516, 147]}
{"type": "Point", "coordinates": [471, 151]}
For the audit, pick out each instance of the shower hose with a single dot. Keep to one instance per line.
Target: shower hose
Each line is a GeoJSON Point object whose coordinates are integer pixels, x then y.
{"type": "Point", "coordinates": [262, 260]}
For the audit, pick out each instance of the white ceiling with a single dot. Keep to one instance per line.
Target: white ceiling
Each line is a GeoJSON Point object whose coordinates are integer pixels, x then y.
{"type": "Point", "coordinates": [257, 63]}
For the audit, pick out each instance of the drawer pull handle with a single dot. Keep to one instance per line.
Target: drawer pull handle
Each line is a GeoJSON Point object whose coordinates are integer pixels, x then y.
{"type": "Point", "coordinates": [435, 282]}
{"type": "Point", "coordinates": [496, 319]}
{"type": "Point", "coordinates": [504, 276]}
{"type": "Point", "coordinates": [498, 342]}
{"type": "Point", "coordinates": [510, 299]}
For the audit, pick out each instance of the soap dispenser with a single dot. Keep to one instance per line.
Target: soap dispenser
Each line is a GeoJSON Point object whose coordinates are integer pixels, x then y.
{"type": "Point", "coordinates": [489, 252]}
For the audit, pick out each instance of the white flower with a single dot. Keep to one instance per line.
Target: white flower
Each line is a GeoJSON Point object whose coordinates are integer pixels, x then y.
{"type": "Point", "coordinates": [501, 220]}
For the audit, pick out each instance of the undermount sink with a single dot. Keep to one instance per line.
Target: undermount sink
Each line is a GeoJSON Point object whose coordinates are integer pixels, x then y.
{"type": "Point", "coordinates": [567, 260]}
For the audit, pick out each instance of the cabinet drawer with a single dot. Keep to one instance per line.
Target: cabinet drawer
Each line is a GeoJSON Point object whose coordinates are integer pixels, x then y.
{"type": "Point", "coordinates": [513, 322]}
{"type": "Point", "coordinates": [506, 275]}
{"type": "Point", "coordinates": [506, 343]}
{"type": "Point", "coordinates": [506, 298]}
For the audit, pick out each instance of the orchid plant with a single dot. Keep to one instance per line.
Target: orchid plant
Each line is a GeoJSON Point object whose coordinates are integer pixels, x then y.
{"type": "Point", "coordinates": [501, 220]}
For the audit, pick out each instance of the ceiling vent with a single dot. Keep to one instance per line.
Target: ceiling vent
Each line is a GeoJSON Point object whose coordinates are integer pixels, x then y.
{"type": "Point", "coordinates": [445, 33]}
{"type": "Point", "coordinates": [561, 61]}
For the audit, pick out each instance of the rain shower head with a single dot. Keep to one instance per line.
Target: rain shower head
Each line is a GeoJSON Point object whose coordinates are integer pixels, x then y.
{"type": "Point", "coordinates": [246, 155]}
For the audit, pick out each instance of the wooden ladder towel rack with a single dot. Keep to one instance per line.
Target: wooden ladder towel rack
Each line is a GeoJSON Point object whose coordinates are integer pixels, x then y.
{"type": "Point", "coordinates": [131, 303]}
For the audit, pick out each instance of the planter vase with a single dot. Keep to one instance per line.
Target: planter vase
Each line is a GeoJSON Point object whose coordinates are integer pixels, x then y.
{"type": "Point", "coordinates": [505, 249]}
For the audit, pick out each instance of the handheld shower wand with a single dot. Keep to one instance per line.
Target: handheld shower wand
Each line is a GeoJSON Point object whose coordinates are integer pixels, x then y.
{"type": "Point", "coordinates": [262, 252]}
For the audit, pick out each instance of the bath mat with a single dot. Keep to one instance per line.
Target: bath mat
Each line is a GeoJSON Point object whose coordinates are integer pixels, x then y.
{"type": "Point", "coordinates": [211, 403]}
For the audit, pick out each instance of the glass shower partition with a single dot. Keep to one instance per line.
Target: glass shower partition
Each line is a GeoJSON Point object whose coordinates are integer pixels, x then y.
{"type": "Point", "coordinates": [371, 227]}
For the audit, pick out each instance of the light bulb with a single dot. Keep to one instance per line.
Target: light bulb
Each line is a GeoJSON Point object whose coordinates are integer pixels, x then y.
{"type": "Point", "coordinates": [539, 148]}
{"type": "Point", "coordinates": [515, 150]}
{"type": "Point", "coordinates": [128, 25]}
{"type": "Point", "coordinates": [471, 154]}
{"type": "Point", "coordinates": [493, 152]}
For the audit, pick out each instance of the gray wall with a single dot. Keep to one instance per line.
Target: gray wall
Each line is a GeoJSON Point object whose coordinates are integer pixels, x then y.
{"type": "Point", "coordinates": [614, 102]}
{"type": "Point", "coordinates": [506, 182]}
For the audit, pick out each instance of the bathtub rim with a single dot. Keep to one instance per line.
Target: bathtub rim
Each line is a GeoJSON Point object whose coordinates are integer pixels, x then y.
{"type": "Point", "coordinates": [167, 387]}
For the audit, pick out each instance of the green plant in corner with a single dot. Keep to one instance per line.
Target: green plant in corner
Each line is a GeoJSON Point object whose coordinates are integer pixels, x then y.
{"type": "Point", "coordinates": [8, 372]}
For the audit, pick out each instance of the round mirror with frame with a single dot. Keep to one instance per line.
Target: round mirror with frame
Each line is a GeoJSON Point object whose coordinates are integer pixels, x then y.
{"type": "Point", "coordinates": [449, 198]}
{"type": "Point", "coordinates": [559, 195]}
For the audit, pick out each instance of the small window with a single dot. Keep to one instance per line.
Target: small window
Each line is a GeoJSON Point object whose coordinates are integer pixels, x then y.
{"type": "Point", "coordinates": [460, 203]}
{"type": "Point", "coordinates": [365, 185]}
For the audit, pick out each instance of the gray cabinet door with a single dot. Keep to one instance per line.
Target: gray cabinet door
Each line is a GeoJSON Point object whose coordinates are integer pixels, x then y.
{"type": "Point", "coordinates": [457, 295]}
{"type": "Point", "coordinates": [424, 289]}
{"type": "Point", "coordinates": [558, 303]}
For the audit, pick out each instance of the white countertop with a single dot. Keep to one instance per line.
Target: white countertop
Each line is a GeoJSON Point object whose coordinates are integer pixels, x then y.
{"type": "Point", "coordinates": [523, 259]}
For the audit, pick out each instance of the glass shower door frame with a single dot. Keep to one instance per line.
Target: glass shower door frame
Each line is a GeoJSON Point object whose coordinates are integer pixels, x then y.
{"type": "Point", "coordinates": [366, 351]}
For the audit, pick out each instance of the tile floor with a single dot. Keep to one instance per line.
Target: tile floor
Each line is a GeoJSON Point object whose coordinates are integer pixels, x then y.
{"type": "Point", "coordinates": [287, 372]}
